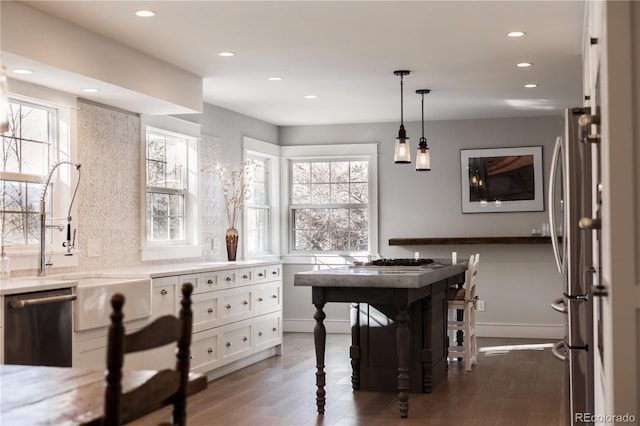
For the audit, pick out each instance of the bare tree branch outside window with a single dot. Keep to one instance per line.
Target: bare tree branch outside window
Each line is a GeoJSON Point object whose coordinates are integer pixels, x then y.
{"type": "Point", "coordinates": [330, 206]}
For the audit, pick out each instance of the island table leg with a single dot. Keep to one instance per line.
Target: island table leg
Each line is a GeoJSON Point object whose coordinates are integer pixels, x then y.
{"type": "Point", "coordinates": [402, 341]}
{"type": "Point", "coordinates": [320, 338]}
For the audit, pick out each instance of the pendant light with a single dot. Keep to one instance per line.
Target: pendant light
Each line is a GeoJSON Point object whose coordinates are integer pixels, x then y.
{"type": "Point", "coordinates": [423, 159]}
{"type": "Point", "coordinates": [402, 153]}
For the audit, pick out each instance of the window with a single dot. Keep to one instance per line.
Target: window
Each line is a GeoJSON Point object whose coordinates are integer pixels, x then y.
{"type": "Point", "coordinates": [332, 195]}
{"type": "Point", "coordinates": [261, 210]}
{"type": "Point", "coordinates": [26, 153]}
{"type": "Point", "coordinates": [258, 208]}
{"type": "Point", "coordinates": [41, 133]}
{"type": "Point", "coordinates": [166, 186]}
{"type": "Point", "coordinates": [329, 205]}
{"type": "Point", "coordinates": [169, 185]}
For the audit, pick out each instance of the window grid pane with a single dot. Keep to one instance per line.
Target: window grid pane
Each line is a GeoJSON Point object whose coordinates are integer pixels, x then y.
{"type": "Point", "coordinates": [26, 148]}
{"type": "Point", "coordinates": [329, 205]}
{"type": "Point", "coordinates": [166, 186]}
{"type": "Point", "coordinates": [258, 208]}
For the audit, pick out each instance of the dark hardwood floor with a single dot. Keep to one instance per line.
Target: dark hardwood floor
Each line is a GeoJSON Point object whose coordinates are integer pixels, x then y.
{"type": "Point", "coordinates": [518, 387]}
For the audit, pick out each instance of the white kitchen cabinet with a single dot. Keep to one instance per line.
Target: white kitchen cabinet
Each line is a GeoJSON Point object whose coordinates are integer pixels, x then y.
{"type": "Point", "coordinates": [165, 300]}
{"type": "Point", "coordinates": [267, 330]}
{"type": "Point", "coordinates": [237, 320]}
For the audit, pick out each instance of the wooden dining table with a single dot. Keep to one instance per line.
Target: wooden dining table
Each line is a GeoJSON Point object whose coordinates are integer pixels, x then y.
{"type": "Point", "coordinates": [36, 395]}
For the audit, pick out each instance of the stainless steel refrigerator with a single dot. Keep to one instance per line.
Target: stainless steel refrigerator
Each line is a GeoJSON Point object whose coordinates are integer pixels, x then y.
{"type": "Point", "coordinates": [570, 200]}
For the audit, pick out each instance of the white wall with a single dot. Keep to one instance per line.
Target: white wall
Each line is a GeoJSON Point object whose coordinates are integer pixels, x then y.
{"type": "Point", "coordinates": [517, 281]}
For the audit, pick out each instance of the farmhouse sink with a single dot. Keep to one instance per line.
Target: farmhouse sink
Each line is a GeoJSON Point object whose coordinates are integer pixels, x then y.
{"type": "Point", "coordinates": [93, 307]}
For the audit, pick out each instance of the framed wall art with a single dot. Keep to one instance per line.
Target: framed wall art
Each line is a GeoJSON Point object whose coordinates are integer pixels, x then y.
{"type": "Point", "coordinates": [501, 180]}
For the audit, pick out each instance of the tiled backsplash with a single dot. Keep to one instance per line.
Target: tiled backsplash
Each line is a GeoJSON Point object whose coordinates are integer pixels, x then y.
{"type": "Point", "coordinates": [109, 195]}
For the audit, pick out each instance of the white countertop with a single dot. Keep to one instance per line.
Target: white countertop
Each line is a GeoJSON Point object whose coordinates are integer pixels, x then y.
{"type": "Point", "coordinates": [55, 281]}
{"type": "Point", "coordinates": [31, 284]}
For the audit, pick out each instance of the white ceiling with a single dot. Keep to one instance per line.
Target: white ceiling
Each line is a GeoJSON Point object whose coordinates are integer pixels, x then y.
{"type": "Point", "coordinates": [345, 52]}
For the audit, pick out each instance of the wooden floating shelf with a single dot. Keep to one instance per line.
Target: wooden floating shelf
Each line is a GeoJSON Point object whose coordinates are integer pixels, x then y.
{"type": "Point", "coordinates": [468, 240]}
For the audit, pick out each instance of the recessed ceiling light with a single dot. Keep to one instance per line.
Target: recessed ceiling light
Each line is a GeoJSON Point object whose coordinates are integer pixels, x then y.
{"type": "Point", "coordinates": [515, 34]}
{"type": "Point", "coordinates": [311, 97]}
{"type": "Point", "coordinates": [531, 85]}
{"type": "Point", "coordinates": [22, 71]}
{"type": "Point", "coordinates": [226, 54]}
{"type": "Point", "coordinates": [90, 90]}
{"type": "Point", "coordinates": [524, 64]}
{"type": "Point", "coordinates": [275, 79]}
{"type": "Point", "coordinates": [145, 13]}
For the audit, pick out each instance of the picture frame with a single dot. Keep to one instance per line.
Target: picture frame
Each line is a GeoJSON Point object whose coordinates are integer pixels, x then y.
{"type": "Point", "coordinates": [497, 180]}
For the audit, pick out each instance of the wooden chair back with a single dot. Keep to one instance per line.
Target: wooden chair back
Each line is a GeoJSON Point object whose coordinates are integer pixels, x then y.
{"type": "Point", "coordinates": [165, 387]}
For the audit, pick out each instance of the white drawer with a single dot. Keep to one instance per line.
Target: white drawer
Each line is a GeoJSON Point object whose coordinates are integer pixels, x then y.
{"type": "Point", "coordinates": [245, 276]}
{"type": "Point", "coordinates": [267, 331]}
{"type": "Point", "coordinates": [274, 272]}
{"type": "Point", "coordinates": [236, 340]}
{"type": "Point", "coordinates": [267, 297]}
{"type": "Point", "coordinates": [165, 298]}
{"type": "Point", "coordinates": [205, 352]}
{"type": "Point", "coordinates": [206, 310]}
{"type": "Point", "coordinates": [227, 279]}
{"type": "Point", "coordinates": [260, 274]}
{"type": "Point", "coordinates": [194, 279]}
{"type": "Point", "coordinates": [236, 304]}
{"type": "Point", "coordinates": [209, 281]}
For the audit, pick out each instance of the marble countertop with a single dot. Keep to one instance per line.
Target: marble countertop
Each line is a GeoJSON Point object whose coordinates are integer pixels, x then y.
{"type": "Point", "coordinates": [55, 281]}
{"type": "Point", "coordinates": [379, 276]}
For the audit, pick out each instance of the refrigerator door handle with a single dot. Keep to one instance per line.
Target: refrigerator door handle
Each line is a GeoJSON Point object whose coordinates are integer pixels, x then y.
{"type": "Point", "coordinates": [559, 305]}
{"type": "Point", "coordinates": [559, 350]}
{"type": "Point", "coordinates": [555, 161]}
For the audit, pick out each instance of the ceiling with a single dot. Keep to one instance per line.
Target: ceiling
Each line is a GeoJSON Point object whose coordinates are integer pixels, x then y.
{"type": "Point", "coordinates": [345, 52]}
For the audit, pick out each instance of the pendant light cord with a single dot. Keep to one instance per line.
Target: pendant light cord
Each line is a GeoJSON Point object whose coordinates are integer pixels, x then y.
{"type": "Point", "coordinates": [421, 139]}
{"type": "Point", "coordinates": [401, 101]}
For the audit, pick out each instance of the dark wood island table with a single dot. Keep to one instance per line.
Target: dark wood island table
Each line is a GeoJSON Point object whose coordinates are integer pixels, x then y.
{"type": "Point", "coordinates": [399, 287]}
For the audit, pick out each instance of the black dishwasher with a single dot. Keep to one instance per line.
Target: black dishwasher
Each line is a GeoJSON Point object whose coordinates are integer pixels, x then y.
{"type": "Point", "coordinates": [38, 328]}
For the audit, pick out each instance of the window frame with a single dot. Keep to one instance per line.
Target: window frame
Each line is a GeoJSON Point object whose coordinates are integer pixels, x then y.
{"type": "Point", "coordinates": [339, 152]}
{"type": "Point", "coordinates": [189, 246]}
{"type": "Point", "coordinates": [260, 150]}
{"type": "Point", "coordinates": [63, 134]}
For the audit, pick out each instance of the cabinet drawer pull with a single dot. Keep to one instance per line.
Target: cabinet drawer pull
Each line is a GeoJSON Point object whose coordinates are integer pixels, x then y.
{"type": "Point", "coordinates": [244, 302]}
{"type": "Point", "coordinates": [245, 276]}
{"type": "Point", "coordinates": [209, 281]}
{"type": "Point", "coordinates": [210, 310]}
{"type": "Point", "coordinates": [190, 356]}
{"type": "Point", "coordinates": [163, 292]}
{"type": "Point", "coordinates": [228, 279]}
{"type": "Point", "coordinates": [210, 350]}
{"type": "Point", "coordinates": [245, 338]}
{"type": "Point", "coordinates": [274, 272]}
{"type": "Point", "coordinates": [275, 296]}
{"type": "Point", "coordinates": [228, 344]}
{"type": "Point", "coordinates": [259, 299]}
{"type": "Point", "coordinates": [228, 306]}
{"type": "Point", "coordinates": [260, 333]}
{"type": "Point", "coordinates": [260, 274]}
{"type": "Point", "coordinates": [274, 329]}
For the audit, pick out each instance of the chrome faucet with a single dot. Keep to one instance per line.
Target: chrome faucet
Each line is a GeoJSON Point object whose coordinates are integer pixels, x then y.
{"type": "Point", "coordinates": [68, 244]}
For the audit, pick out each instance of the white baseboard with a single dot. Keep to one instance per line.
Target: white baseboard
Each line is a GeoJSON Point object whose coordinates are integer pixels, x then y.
{"type": "Point", "coordinates": [526, 331]}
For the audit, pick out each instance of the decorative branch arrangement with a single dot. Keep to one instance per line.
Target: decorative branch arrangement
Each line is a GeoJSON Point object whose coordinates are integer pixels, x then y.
{"type": "Point", "coordinates": [236, 188]}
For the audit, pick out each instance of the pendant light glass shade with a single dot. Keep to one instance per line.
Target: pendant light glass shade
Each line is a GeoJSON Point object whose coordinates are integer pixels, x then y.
{"type": "Point", "coordinates": [423, 160]}
{"type": "Point", "coordinates": [402, 151]}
